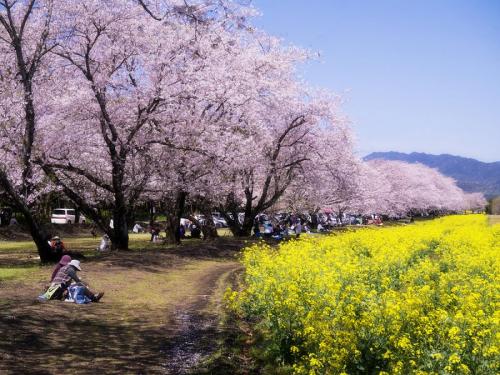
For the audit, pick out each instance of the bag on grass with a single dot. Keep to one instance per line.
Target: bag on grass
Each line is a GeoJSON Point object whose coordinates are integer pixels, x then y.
{"type": "Point", "coordinates": [53, 292]}
{"type": "Point", "coordinates": [77, 294]}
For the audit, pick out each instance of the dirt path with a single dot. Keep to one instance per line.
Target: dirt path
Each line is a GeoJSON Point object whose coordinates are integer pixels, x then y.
{"type": "Point", "coordinates": [160, 315]}
{"type": "Point", "coordinates": [195, 325]}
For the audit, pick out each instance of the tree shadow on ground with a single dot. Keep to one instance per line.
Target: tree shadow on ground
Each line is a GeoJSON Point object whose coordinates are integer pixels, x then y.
{"type": "Point", "coordinates": [43, 338]}
{"type": "Point", "coordinates": [222, 249]}
{"type": "Point", "coordinates": [114, 338]}
{"type": "Point", "coordinates": [156, 259]}
{"type": "Point", "coordinates": [64, 338]}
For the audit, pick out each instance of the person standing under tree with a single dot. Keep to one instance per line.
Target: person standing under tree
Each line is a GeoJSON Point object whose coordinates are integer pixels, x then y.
{"type": "Point", "coordinates": [298, 228]}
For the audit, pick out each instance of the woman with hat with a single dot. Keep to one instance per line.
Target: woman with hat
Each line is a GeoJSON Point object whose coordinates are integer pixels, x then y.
{"type": "Point", "coordinates": [63, 262]}
{"type": "Point", "coordinates": [67, 274]}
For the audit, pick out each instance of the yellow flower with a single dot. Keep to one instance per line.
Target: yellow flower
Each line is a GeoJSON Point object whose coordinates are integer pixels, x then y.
{"type": "Point", "coordinates": [425, 291]}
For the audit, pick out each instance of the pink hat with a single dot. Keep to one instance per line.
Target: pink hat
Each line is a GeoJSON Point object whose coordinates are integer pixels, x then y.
{"type": "Point", "coordinates": [65, 260]}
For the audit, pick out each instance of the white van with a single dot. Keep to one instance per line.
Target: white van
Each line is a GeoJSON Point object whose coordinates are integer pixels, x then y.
{"type": "Point", "coordinates": [65, 216]}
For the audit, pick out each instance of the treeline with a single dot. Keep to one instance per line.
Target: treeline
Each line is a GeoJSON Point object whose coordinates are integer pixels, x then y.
{"type": "Point", "coordinates": [117, 103]}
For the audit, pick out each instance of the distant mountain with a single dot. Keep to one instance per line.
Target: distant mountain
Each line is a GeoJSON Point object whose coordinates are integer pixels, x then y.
{"type": "Point", "coordinates": [471, 175]}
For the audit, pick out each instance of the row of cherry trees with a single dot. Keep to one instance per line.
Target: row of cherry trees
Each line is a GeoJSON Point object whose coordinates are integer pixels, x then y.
{"type": "Point", "coordinates": [391, 188]}
{"type": "Point", "coordinates": [119, 102]}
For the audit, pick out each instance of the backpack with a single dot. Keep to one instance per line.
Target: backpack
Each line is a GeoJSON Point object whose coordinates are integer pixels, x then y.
{"type": "Point", "coordinates": [76, 293]}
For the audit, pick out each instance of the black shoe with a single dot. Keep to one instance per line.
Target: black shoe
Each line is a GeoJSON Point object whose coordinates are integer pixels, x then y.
{"type": "Point", "coordinates": [98, 296]}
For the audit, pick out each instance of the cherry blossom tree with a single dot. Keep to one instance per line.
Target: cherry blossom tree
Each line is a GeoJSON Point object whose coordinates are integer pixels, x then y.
{"type": "Point", "coordinates": [237, 126]}
{"type": "Point", "coordinates": [289, 143]}
{"type": "Point", "coordinates": [122, 76]}
{"type": "Point", "coordinates": [120, 102]}
{"type": "Point", "coordinates": [331, 179]}
{"type": "Point", "coordinates": [26, 39]}
{"type": "Point", "coordinates": [131, 82]}
{"type": "Point", "coordinates": [475, 201]}
{"type": "Point", "coordinates": [415, 188]}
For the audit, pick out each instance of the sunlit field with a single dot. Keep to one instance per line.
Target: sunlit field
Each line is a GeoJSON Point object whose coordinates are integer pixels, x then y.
{"type": "Point", "coordinates": [20, 258]}
{"type": "Point", "coordinates": [415, 299]}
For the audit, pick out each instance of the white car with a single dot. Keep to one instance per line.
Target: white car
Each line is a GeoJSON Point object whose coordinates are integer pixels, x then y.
{"type": "Point", "coordinates": [219, 222]}
{"type": "Point", "coordinates": [65, 216]}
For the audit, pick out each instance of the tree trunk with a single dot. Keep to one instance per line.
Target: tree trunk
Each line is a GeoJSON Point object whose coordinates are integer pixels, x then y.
{"type": "Point", "coordinates": [41, 239]}
{"type": "Point", "coordinates": [77, 215]}
{"type": "Point", "coordinates": [241, 229]}
{"type": "Point", "coordinates": [170, 229]}
{"type": "Point", "coordinates": [37, 232]}
{"type": "Point", "coordinates": [209, 229]}
{"type": "Point", "coordinates": [246, 228]}
{"type": "Point", "coordinates": [180, 203]}
{"type": "Point", "coordinates": [174, 219]}
{"type": "Point", "coordinates": [152, 213]}
{"type": "Point", "coordinates": [119, 234]}
{"type": "Point", "coordinates": [232, 223]}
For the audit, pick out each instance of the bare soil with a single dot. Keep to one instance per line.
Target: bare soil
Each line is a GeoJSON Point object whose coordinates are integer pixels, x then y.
{"type": "Point", "coordinates": [160, 314]}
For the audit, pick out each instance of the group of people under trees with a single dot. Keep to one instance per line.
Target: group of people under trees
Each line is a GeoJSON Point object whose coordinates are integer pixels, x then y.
{"type": "Point", "coordinates": [281, 229]}
{"type": "Point", "coordinates": [195, 231]}
{"type": "Point", "coordinates": [284, 225]}
{"type": "Point", "coordinates": [66, 285]}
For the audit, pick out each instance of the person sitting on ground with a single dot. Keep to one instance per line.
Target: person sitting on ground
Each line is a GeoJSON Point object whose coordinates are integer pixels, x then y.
{"type": "Point", "coordinates": [155, 232]}
{"type": "Point", "coordinates": [256, 229]}
{"type": "Point", "coordinates": [137, 228]}
{"type": "Point", "coordinates": [57, 246]}
{"type": "Point", "coordinates": [283, 229]}
{"type": "Point", "coordinates": [195, 231]}
{"type": "Point", "coordinates": [268, 229]}
{"type": "Point", "coordinates": [298, 228]}
{"type": "Point", "coordinates": [277, 233]}
{"type": "Point", "coordinates": [105, 244]}
{"type": "Point", "coordinates": [63, 262]}
{"type": "Point", "coordinates": [67, 274]}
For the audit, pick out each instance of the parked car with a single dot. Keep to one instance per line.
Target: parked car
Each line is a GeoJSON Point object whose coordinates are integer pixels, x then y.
{"type": "Point", "coordinates": [219, 222]}
{"type": "Point", "coordinates": [5, 216]}
{"type": "Point", "coordinates": [65, 216]}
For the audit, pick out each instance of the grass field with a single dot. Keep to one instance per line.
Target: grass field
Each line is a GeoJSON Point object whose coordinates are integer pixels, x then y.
{"type": "Point", "coordinates": [18, 257]}
{"type": "Point", "coordinates": [160, 312]}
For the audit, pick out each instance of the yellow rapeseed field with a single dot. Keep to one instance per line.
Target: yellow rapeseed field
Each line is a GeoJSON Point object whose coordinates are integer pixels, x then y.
{"type": "Point", "coordinates": [416, 299]}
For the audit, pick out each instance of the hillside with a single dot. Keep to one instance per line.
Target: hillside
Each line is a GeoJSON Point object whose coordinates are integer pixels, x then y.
{"type": "Point", "coordinates": [471, 175]}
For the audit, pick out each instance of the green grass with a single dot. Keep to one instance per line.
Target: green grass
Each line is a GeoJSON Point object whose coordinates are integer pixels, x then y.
{"type": "Point", "coordinates": [19, 259]}
{"type": "Point", "coordinates": [11, 273]}
{"type": "Point", "coordinates": [137, 241]}
{"type": "Point", "coordinates": [224, 232]}
{"type": "Point", "coordinates": [28, 246]}
{"type": "Point", "coordinates": [145, 293]}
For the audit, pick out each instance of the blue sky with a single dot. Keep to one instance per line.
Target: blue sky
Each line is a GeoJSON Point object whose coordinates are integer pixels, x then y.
{"type": "Point", "coordinates": [420, 75]}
